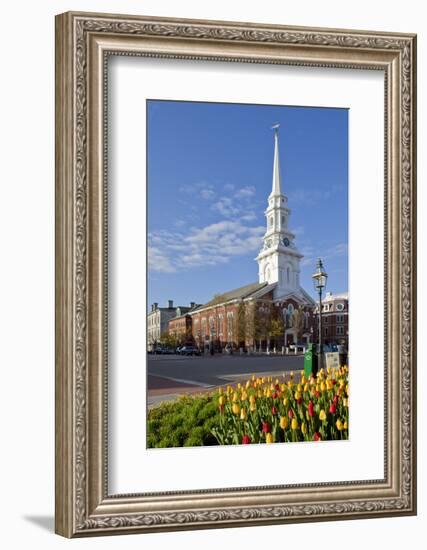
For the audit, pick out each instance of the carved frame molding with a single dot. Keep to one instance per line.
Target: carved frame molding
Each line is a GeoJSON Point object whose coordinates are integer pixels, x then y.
{"type": "Point", "coordinates": [83, 43]}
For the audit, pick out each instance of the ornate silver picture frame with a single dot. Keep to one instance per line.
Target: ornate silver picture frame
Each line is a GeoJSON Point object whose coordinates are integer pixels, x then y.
{"type": "Point", "coordinates": [84, 42]}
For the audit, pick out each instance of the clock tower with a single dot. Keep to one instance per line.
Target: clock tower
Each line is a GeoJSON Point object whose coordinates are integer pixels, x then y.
{"type": "Point", "coordinates": [279, 259]}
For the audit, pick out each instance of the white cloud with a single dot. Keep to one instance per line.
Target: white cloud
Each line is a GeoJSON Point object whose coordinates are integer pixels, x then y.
{"type": "Point", "coordinates": [245, 192]}
{"type": "Point", "coordinates": [304, 196]}
{"type": "Point", "coordinates": [211, 245]}
{"type": "Point", "coordinates": [202, 189]}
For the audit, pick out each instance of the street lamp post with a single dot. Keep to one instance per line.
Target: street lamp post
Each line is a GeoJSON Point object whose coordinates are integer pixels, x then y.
{"type": "Point", "coordinates": [320, 278]}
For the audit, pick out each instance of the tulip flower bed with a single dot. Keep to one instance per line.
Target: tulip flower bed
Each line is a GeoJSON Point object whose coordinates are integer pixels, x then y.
{"type": "Point", "coordinates": [263, 411]}
{"type": "Point", "coordinates": [259, 411]}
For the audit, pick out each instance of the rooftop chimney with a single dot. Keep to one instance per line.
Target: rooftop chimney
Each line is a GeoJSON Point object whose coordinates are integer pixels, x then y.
{"type": "Point", "coordinates": [170, 302]}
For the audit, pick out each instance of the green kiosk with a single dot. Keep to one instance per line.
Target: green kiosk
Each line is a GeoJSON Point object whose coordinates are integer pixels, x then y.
{"type": "Point", "coordinates": [310, 361]}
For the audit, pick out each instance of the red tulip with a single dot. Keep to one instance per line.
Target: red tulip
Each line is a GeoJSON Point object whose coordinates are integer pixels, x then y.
{"type": "Point", "coordinates": [246, 440]}
{"type": "Point", "coordinates": [291, 413]}
{"type": "Point", "coordinates": [277, 387]}
{"type": "Point", "coordinates": [335, 400]}
{"type": "Point", "coordinates": [221, 408]}
{"type": "Point", "coordinates": [334, 381]}
{"type": "Point", "coordinates": [299, 400]}
{"type": "Point", "coordinates": [274, 396]}
{"type": "Point", "coordinates": [332, 409]}
{"type": "Point", "coordinates": [317, 436]}
{"type": "Point", "coordinates": [317, 393]}
{"type": "Point", "coordinates": [266, 428]}
{"type": "Point", "coordinates": [274, 410]}
{"type": "Point", "coordinates": [310, 408]}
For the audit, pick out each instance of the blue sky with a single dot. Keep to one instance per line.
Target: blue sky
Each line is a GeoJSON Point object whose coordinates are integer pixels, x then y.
{"type": "Point", "coordinates": [209, 174]}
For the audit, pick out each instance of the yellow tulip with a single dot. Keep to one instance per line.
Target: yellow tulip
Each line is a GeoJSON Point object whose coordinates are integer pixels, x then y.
{"type": "Point", "coordinates": [221, 391]}
{"type": "Point", "coordinates": [304, 428]}
{"type": "Point", "coordinates": [248, 384]}
{"type": "Point", "coordinates": [268, 392]}
{"type": "Point", "coordinates": [339, 425]}
{"type": "Point", "coordinates": [243, 414]}
{"type": "Point", "coordinates": [252, 407]}
{"type": "Point", "coordinates": [345, 401]}
{"type": "Point", "coordinates": [322, 386]}
{"type": "Point", "coordinates": [285, 401]}
{"type": "Point", "coordinates": [269, 438]}
{"type": "Point", "coordinates": [299, 387]}
{"type": "Point", "coordinates": [294, 424]}
{"type": "Point", "coordinates": [244, 396]}
{"type": "Point", "coordinates": [239, 385]}
{"type": "Point", "coordinates": [303, 379]}
{"type": "Point", "coordinates": [306, 386]}
{"type": "Point", "coordinates": [235, 397]}
{"type": "Point", "coordinates": [322, 415]}
{"type": "Point", "coordinates": [297, 395]}
{"type": "Point", "coordinates": [252, 398]}
{"type": "Point", "coordinates": [221, 400]}
{"type": "Point", "coordinates": [283, 422]}
{"type": "Point", "coordinates": [236, 408]}
{"type": "Point", "coordinates": [282, 387]}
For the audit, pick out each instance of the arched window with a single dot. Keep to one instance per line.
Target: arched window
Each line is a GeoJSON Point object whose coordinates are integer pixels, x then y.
{"type": "Point", "coordinates": [271, 221]}
{"type": "Point", "coordinates": [288, 274]}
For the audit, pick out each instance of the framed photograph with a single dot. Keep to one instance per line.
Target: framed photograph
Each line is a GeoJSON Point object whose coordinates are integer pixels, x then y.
{"type": "Point", "coordinates": [235, 274]}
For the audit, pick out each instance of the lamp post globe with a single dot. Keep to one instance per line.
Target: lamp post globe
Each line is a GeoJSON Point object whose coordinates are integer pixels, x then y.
{"type": "Point", "coordinates": [320, 278]}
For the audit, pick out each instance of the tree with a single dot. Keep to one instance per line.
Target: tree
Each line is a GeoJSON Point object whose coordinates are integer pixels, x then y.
{"type": "Point", "coordinates": [298, 317]}
{"type": "Point", "coordinates": [241, 323]}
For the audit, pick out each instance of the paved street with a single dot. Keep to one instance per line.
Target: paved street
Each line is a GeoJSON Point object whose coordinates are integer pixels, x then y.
{"type": "Point", "coordinates": [170, 376]}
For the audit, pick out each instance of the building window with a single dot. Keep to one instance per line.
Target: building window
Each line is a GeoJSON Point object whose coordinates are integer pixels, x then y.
{"type": "Point", "coordinates": [288, 274]}
{"type": "Point", "coordinates": [326, 307]}
{"type": "Point", "coordinates": [283, 220]}
{"type": "Point", "coordinates": [325, 331]}
{"type": "Point", "coordinates": [271, 221]}
{"type": "Point", "coordinates": [306, 317]}
{"type": "Point", "coordinates": [326, 320]}
{"type": "Point", "coordinates": [340, 318]}
{"type": "Point", "coordinates": [230, 326]}
{"type": "Point", "coordinates": [340, 331]}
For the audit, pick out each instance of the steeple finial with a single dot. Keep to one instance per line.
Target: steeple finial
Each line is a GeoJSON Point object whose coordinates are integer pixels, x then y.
{"type": "Point", "coordinates": [276, 188]}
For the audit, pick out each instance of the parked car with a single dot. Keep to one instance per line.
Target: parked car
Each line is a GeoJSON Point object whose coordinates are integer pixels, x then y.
{"type": "Point", "coordinates": [189, 350]}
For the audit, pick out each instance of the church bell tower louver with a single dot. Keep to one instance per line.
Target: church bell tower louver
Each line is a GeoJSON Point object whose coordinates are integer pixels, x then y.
{"type": "Point", "coordinates": [279, 259]}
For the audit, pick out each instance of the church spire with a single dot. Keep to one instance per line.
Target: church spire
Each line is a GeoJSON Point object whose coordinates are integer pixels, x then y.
{"type": "Point", "coordinates": [276, 188]}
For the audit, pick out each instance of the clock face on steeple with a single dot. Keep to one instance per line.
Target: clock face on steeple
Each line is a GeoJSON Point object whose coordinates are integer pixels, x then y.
{"type": "Point", "coordinates": [286, 241]}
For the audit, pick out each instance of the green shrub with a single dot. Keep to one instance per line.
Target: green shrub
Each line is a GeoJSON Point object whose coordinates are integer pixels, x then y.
{"type": "Point", "coordinates": [186, 422]}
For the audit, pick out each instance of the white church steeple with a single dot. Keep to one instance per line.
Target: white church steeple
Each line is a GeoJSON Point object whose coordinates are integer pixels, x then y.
{"type": "Point", "coordinates": [276, 189]}
{"type": "Point", "coordinates": [279, 259]}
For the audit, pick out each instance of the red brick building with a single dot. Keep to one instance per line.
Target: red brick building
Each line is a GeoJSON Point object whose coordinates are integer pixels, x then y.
{"type": "Point", "coordinates": [335, 319]}
{"type": "Point", "coordinates": [180, 328]}
{"type": "Point", "coordinates": [249, 317]}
